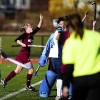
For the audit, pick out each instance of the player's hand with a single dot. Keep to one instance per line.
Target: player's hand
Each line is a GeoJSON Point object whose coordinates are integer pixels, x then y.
{"type": "Point", "coordinates": [94, 23]}
{"type": "Point", "coordinates": [2, 54]}
{"type": "Point", "coordinates": [86, 13]}
{"type": "Point", "coordinates": [1, 57]}
{"type": "Point", "coordinates": [59, 29]}
{"type": "Point", "coordinates": [23, 45]}
{"type": "Point", "coordinates": [41, 17]}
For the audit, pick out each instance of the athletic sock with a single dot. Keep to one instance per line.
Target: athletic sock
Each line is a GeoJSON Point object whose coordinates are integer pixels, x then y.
{"type": "Point", "coordinates": [29, 76]}
{"type": "Point", "coordinates": [10, 76]}
{"type": "Point", "coordinates": [59, 87]}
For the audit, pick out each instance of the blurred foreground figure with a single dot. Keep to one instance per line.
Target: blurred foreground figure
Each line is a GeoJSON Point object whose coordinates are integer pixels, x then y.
{"type": "Point", "coordinates": [81, 54]}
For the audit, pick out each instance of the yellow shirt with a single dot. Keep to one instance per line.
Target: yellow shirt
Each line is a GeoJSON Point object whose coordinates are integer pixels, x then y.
{"type": "Point", "coordinates": [84, 54]}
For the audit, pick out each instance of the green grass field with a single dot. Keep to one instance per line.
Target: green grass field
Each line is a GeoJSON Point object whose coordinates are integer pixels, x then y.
{"type": "Point", "coordinates": [18, 83]}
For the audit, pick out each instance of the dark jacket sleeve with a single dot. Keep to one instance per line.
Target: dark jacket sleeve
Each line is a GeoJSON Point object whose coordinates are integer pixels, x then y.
{"type": "Point", "coordinates": [68, 75]}
{"type": "Point", "coordinates": [35, 31]}
{"type": "Point", "coordinates": [21, 37]}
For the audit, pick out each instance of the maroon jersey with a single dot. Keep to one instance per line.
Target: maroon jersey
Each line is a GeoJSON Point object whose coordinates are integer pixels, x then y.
{"type": "Point", "coordinates": [66, 35]}
{"type": "Point", "coordinates": [27, 38]}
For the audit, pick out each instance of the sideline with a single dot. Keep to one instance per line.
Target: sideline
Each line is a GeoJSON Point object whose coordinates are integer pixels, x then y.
{"type": "Point", "coordinates": [14, 93]}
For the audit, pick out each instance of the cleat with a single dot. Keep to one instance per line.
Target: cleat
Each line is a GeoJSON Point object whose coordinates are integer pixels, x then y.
{"type": "Point", "coordinates": [3, 83]}
{"type": "Point", "coordinates": [30, 88]}
{"type": "Point", "coordinates": [58, 98]}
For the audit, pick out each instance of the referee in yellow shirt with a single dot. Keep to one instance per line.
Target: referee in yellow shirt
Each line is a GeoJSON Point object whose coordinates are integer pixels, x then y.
{"type": "Point", "coordinates": [81, 54]}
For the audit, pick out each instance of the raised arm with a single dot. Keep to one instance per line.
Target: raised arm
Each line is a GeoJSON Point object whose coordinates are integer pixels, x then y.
{"type": "Point", "coordinates": [94, 23]}
{"type": "Point", "coordinates": [40, 22]}
{"type": "Point", "coordinates": [84, 18]}
{"type": "Point", "coordinates": [59, 29]}
{"type": "Point", "coordinates": [38, 26]}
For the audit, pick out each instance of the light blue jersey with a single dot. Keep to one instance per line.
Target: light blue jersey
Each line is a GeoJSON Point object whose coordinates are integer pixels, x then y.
{"type": "Point", "coordinates": [44, 57]}
{"type": "Point", "coordinates": [56, 48]}
{"type": "Point", "coordinates": [48, 45]}
{"type": "Point", "coordinates": [51, 46]}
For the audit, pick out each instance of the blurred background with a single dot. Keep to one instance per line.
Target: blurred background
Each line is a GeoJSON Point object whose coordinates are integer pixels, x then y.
{"type": "Point", "coordinates": [14, 13]}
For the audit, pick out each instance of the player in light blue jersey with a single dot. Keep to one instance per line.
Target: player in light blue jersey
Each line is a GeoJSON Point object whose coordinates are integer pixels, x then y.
{"type": "Point", "coordinates": [53, 51]}
{"type": "Point", "coordinates": [55, 55]}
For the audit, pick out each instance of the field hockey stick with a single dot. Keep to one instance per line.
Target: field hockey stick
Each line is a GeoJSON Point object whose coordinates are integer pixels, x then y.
{"type": "Point", "coordinates": [94, 3]}
{"type": "Point", "coordinates": [29, 46]}
{"type": "Point", "coordinates": [12, 60]}
{"type": "Point", "coordinates": [35, 73]}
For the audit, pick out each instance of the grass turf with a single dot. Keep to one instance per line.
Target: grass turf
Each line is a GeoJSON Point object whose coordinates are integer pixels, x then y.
{"type": "Point", "coordinates": [18, 82]}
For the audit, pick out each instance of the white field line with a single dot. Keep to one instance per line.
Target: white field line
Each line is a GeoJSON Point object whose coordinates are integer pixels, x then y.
{"type": "Point", "coordinates": [14, 93]}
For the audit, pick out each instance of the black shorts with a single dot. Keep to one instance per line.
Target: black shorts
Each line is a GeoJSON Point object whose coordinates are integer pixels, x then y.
{"type": "Point", "coordinates": [86, 87]}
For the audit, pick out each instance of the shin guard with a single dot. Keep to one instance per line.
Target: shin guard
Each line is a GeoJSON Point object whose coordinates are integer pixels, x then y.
{"type": "Point", "coordinates": [47, 84]}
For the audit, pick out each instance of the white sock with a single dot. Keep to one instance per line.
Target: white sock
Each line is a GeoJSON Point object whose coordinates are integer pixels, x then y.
{"type": "Point", "coordinates": [59, 87]}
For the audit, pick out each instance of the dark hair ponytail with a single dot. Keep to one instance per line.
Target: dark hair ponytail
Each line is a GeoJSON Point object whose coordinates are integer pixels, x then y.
{"type": "Point", "coordinates": [22, 29]}
{"type": "Point", "coordinates": [76, 23]}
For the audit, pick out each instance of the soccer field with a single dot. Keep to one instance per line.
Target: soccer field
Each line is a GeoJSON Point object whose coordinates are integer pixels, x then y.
{"type": "Point", "coordinates": [18, 83]}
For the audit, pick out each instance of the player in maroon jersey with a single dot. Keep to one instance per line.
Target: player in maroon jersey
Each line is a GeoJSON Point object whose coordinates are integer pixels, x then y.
{"type": "Point", "coordinates": [24, 54]}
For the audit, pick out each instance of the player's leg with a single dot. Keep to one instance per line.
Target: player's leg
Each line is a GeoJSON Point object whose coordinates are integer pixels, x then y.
{"type": "Point", "coordinates": [29, 77]}
{"type": "Point", "coordinates": [56, 62]}
{"type": "Point", "coordinates": [48, 81]}
{"type": "Point", "coordinates": [94, 94]}
{"type": "Point", "coordinates": [70, 91]}
{"type": "Point", "coordinates": [80, 88]}
{"type": "Point", "coordinates": [11, 75]}
{"type": "Point", "coordinates": [94, 90]}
